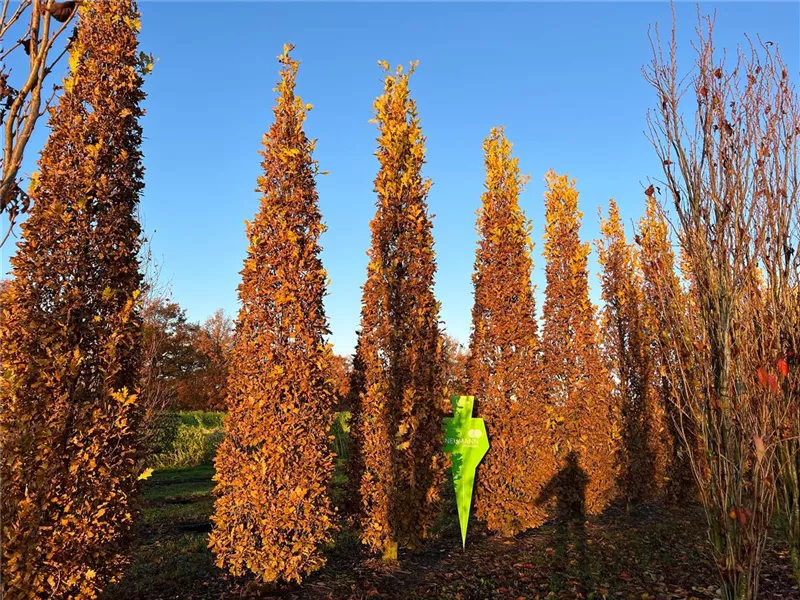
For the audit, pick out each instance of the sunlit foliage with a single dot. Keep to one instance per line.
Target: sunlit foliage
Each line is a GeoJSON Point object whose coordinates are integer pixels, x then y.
{"type": "Point", "coordinates": [401, 407]}
{"type": "Point", "coordinates": [273, 513]}
{"type": "Point", "coordinates": [642, 458]}
{"type": "Point", "coordinates": [504, 366]}
{"type": "Point", "coordinates": [663, 296]}
{"type": "Point", "coordinates": [70, 332]}
{"type": "Point", "coordinates": [582, 411]}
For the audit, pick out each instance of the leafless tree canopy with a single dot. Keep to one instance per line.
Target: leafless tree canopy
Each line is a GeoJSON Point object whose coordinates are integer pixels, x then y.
{"type": "Point", "coordinates": [38, 23]}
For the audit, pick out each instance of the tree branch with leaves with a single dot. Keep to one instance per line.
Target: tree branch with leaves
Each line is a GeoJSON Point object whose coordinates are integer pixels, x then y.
{"type": "Point", "coordinates": [730, 169]}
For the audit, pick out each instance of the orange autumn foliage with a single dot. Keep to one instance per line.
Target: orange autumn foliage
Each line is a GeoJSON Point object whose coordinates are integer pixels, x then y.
{"type": "Point", "coordinates": [354, 467]}
{"type": "Point", "coordinates": [665, 299]}
{"type": "Point", "coordinates": [504, 364]}
{"type": "Point", "coordinates": [273, 514]}
{"type": "Point", "coordinates": [642, 458]}
{"type": "Point", "coordinates": [454, 366]}
{"type": "Point", "coordinates": [401, 407]}
{"type": "Point", "coordinates": [726, 133]}
{"type": "Point", "coordinates": [206, 387]}
{"type": "Point", "coordinates": [582, 412]}
{"type": "Point", "coordinates": [339, 369]}
{"type": "Point", "coordinates": [70, 333]}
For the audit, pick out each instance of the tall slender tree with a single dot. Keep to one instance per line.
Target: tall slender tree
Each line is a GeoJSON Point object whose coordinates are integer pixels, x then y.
{"type": "Point", "coordinates": [504, 367]}
{"type": "Point", "coordinates": [401, 407]}
{"type": "Point", "coordinates": [583, 414]}
{"type": "Point", "coordinates": [70, 332]}
{"type": "Point", "coordinates": [273, 512]}
{"type": "Point", "coordinates": [354, 468]}
{"type": "Point", "coordinates": [666, 300]}
{"type": "Point", "coordinates": [642, 465]}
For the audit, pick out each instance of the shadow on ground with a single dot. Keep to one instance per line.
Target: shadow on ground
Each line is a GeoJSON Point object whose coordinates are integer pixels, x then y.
{"type": "Point", "coordinates": [653, 553]}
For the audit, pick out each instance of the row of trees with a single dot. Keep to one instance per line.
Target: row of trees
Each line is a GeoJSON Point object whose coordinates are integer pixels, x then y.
{"type": "Point", "coordinates": [690, 369]}
{"type": "Point", "coordinates": [651, 400]}
{"type": "Point", "coordinates": [185, 364]}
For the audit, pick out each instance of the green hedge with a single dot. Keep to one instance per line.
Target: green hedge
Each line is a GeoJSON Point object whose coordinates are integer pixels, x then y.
{"type": "Point", "coordinates": [198, 418]}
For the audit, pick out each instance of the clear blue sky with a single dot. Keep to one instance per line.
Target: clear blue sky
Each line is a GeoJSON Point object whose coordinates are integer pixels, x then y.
{"type": "Point", "coordinates": [564, 78]}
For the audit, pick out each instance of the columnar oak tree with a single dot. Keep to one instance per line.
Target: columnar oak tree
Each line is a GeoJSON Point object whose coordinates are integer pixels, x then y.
{"type": "Point", "coordinates": [70, 332]}
{"type": "Point", "coordinates": [504, 368]}
{"type": "Point", "coordinates": [273, 513]}
{"type": "Point", "coordinates": [664, 297]}
{"type": "Point", "coordinates": [401, 409]}
{"type": "Point", "coordinates": [583, 415]}
{"type": "Point", "coordinates": [642, 463]}
{"type": "Point", "coordinates": [354, 467]}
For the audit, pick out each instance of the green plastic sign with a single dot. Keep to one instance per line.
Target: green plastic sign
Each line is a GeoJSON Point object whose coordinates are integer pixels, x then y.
{"type": "Point", "coordinates": [466, 442]}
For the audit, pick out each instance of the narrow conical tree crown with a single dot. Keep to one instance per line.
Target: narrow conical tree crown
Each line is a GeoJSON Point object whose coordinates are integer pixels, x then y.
{"type": "Point", "coordinates": [273, 513]}
{"type": "Point", "coordinates": [504, 366]}
{"type": "Point", "coordinates": [581, 406]}
{"type": "Point", "coordinates": [629, 360]}
{"type": "Point", "coordinates": [666, 300]}
{"type": "Point", "coordinates": [401, 409]}
{"type": "Point", "coordinates": [70, 329]}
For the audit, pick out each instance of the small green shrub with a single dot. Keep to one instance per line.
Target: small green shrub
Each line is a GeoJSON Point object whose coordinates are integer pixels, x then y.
{"type": "Point", "coordinates": [190, 438]}
{"type": "Point", "coordinates": [161, 432]}
{"type": "Point", "coordinates": [187, 439]}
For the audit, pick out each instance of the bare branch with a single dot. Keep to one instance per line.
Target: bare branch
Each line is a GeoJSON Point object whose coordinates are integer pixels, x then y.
{"type": "Point", "coordinates": [23, 105]}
